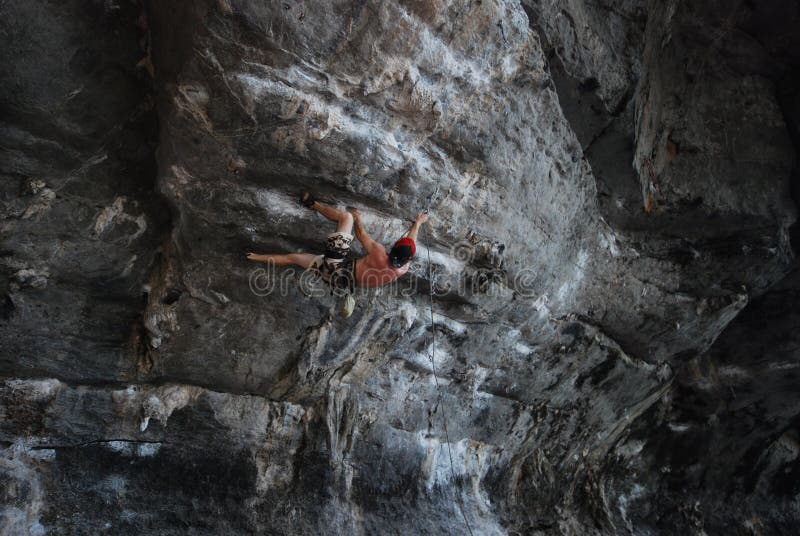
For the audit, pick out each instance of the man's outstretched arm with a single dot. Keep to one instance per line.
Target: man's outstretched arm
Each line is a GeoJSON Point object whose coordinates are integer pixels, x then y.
{"type": "Point", "coordinates": [361, 233]}
{"type": "Point", "coordinates": [421, 218]}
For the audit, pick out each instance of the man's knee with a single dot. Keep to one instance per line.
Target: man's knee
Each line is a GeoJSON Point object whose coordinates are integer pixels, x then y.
{"type": "Point", "coordinates": [345, 218]}
{"type": "Point", "coordinates": [345, 223]}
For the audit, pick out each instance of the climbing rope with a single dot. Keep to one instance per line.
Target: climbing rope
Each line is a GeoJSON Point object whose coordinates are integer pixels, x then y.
{"type": "Point", "coordinates": [432, 358]}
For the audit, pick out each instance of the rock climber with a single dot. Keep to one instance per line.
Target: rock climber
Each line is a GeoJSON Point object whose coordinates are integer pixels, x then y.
{"type": "Point", "coordinates": [337, 267]}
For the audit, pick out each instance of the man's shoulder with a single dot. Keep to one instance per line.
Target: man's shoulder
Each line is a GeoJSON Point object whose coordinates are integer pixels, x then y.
{"type": "Point", "coordinates": [378, 252]}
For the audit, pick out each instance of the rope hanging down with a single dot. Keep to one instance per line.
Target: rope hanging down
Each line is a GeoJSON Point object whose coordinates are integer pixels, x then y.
{"type": "Point", "coordinates": [432, 358]}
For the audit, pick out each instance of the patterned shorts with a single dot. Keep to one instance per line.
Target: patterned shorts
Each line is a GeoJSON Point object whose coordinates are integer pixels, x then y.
{"type": "Point", "coordinates": [336, 267]}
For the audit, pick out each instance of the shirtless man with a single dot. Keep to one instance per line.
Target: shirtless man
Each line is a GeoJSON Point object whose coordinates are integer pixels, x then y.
{"type": "Point", "coordinates": [336, 266]}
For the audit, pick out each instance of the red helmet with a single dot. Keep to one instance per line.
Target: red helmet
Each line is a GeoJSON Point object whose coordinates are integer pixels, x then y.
{"type": "Point", "coordinates": [402, 251]}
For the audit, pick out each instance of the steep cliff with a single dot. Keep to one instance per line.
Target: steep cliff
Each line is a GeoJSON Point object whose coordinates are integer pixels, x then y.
{"type": "Point", "coordinates": [598, 334]}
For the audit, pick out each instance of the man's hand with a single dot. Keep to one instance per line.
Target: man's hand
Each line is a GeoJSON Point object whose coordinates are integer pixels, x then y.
{"type": "Point", "coordinates": [422, 217]}
{"type": "Point", "coordinates": [356, 214]}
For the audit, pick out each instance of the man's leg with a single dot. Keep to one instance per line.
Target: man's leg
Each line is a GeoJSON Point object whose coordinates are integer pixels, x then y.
{"type": "Point", "coordinates": [303, 260]}
{"type": "Point", "coordinates": [343, 218]}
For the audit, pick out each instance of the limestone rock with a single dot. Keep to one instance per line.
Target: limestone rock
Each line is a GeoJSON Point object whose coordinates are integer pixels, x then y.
{"type": "Point", "coordinates": [597, 335]}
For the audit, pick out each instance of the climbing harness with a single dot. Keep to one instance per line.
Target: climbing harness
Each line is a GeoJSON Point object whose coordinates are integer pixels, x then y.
{"type": "Point", "coordinates": [432, 358]}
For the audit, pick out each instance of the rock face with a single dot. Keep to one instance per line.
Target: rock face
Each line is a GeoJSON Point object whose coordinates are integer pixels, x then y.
{"type": "Point", "coordinates": [611, 343]}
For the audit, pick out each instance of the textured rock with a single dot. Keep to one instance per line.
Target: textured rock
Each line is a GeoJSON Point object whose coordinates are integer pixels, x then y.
{"type": "Point", "coordinates": [81, 221]}
{"type": "Point", "coordinates": [599, 44]}
{"type": "Point", "coordinates": [613, 190]}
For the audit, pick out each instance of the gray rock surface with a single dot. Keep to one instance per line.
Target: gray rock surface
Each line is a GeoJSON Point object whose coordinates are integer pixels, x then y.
{"type": "Point", "coordinates": [611, 346]}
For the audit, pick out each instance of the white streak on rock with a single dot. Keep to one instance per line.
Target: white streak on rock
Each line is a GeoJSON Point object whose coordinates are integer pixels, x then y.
{"type": "Point", "coordinates": [21, 478]}
{"type": "Point", "coordinates": [41, 204]}
{"type": "Point", "coordinates": [114, 214]}
{"type": "Point", "coordinates": [36, 390]}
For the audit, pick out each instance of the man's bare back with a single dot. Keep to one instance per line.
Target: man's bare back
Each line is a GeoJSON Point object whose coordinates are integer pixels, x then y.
{"type": "Point", "coordinates": [375, 270]}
